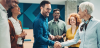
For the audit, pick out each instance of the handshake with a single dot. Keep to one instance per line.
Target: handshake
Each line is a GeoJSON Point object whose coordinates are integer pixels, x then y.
{"type": "Point", "coordinates": [57, 45]}
{"type": "Point", "coordinates": [57, 37]}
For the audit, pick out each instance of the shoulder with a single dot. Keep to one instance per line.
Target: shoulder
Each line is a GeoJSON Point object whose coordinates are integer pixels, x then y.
{"type": "Point", "coordinates": [62, 22]}
{"type": "Point", "coordinates": [97, 23]}
{"type": "Point", "coordinates": [50, 22]}
{"type": "Point", "coordinates": [37, 20]}
{"type": "Point", "coordinates": [19, 21]}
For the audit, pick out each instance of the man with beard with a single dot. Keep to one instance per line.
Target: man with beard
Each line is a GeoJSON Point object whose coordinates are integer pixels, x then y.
{"type": "Point", "coordinates": [40, 27]}
{"type": "Point", "coordinates": [4, 26]}
{"type": "Point", "coordinates": [57, 27]}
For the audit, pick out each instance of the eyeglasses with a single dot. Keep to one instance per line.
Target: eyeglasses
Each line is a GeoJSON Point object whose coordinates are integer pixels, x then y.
{"type": "Point", "coordinates": [57, 13]}
{"type": "Point", "coordinates": [49, 9]}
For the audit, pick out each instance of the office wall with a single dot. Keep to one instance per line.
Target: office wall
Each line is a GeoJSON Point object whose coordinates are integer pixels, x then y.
{"type": "Point", "coordinates": [96, 12]}
{"type": "Point", "coordinates": [30, 10]}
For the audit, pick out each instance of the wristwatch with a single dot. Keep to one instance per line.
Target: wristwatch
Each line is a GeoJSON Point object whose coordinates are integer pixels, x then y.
{"type": "Point", "coordinates": [62, 36]}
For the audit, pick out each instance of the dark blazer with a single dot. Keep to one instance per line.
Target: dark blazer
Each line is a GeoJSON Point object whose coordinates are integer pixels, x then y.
{"type": "Point", "coordinates": [13, 36]}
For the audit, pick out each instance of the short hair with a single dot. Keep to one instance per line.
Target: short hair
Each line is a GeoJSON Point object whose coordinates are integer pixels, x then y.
{"type": "Point", "coordinates": [76, 16]}
{"type": "Point", "coordinates": [56, 10]}
{"type": "Point", "coordinates": [44, 2]}
{"type": "Point", "coordinates": [87, 5]}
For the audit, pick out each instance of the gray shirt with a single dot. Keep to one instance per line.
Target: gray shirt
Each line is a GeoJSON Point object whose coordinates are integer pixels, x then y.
{"type": "Point", "coordinates": [57, 28]}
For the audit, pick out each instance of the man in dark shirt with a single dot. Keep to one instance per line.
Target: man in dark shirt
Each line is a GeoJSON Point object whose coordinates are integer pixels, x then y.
{"type": "Point", "coordinates": [40, 27]}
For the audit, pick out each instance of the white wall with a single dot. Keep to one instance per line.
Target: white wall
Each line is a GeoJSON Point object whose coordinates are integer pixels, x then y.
{"type": "Point", "coordinates": [96, 12]}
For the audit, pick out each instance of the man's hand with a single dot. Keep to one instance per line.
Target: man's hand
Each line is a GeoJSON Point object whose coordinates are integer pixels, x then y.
{"type": "Point", "coordinates": [57, 45]}
{"type": "Point", "coordinates": [64, 35]}
{"type": "Point", "coordinates": [57, 38]}
{"type": "Point", "coordinates": [51, 37]}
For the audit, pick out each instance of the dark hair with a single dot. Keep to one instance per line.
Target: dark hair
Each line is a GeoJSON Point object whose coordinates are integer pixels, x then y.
{"type": "Point", "coordinates": [44, 2]}
{"type": "Point", "coordinates": [56, 10]}
{"type": "Point", "coordinates": [9, 11]}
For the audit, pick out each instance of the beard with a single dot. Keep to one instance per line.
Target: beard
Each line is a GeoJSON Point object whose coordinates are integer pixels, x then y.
{"type": "Point", "coordinates": [44, 14]}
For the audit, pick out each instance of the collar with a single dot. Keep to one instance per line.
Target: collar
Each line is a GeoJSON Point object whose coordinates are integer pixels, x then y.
{"type": "Point", "coordinates": [13, 20]}
{"type": "Point", "coordinates": [57, 21]}
{"type": "Point", "coordinates": [2, 8]}
{"type": "Point", "coordinates": [42, 16]}
{"type": "Point", "coordinates": [90, 19]}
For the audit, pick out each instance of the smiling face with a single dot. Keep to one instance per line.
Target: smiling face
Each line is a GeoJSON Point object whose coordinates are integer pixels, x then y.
{"type": "Point", "coordinates": [15, 9]}
{"type": "Point", "coordinates": [46, 10]}
{"type": "Point", "coordinates": [72, 21]}
{"type": "Point", "coordinates": [56, 15]}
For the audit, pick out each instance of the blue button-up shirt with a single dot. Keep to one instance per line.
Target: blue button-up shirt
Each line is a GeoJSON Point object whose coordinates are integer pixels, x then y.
{"type": "Point", "coordinates": [40, 30]}
{"type": "Point", "coordinates": [90, 38]}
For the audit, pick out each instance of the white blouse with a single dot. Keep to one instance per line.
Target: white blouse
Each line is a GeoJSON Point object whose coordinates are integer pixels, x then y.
{"type": "Point", "coordinates": [18, 29]}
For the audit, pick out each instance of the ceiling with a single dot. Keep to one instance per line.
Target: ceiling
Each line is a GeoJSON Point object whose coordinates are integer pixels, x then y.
{"type": "Point", "coordinates": [60, 2]}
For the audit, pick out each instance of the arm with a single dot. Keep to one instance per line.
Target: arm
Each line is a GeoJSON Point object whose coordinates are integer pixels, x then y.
{"type": "Point", "coordinates": [57, 38]}
{"type": "Point", "coordinates": [65, 30]}
{"type": "Point", "coordinates": [79, 41]}
{"type": "Point", "coordinates": [73, 41]}
{"type": "Point", "coordinates": [38, 33]}
{"type": "Point", "coordinates": [13, 37]}
{"type": "Point", "coordinates": [98, 35]}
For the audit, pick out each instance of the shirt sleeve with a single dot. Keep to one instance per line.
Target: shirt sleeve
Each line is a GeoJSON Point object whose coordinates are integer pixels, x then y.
{"type": "Point", "coordinates": [49, 28]}
{"type": "Point", "coordinates": [65, 28]}
{"type": "Point", "coordinates": [98, 35]}
{"type": "Point", "coordinates": [73, 41]}
{"type": "Point", "coordinates": [38, 33]}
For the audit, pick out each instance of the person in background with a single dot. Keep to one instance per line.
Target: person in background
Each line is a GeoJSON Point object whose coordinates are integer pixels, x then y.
{"type": "Point", "coordinates": [57, 27]}
{"type": "Point", "coordinates": [4, 26]}
{"type": "Point", "coordinates": [74, 21]}
{"type": "Point", "coordinates": [17, 34]}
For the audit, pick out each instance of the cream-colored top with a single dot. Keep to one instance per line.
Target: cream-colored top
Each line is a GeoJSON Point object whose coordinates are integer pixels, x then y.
{"type": "Point", "coordinates": [18, 29]}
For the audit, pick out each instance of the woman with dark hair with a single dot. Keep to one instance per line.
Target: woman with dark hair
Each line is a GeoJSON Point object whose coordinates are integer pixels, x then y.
{"type": "Point", "coordinates": [17, 34]}
{"type": "Point", "coordinates": [74, 21]}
